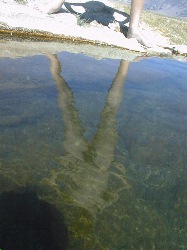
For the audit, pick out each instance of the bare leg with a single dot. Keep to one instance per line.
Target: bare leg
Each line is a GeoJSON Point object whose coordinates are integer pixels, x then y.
{"type": "Point", "coordinates": [133, 31]}
{"type": "Point", "coordinates": [74, 143]}
{"type": "Point", "coordinates": [51, 6]}
{"type": "Point", "coordinates": [106, 137]}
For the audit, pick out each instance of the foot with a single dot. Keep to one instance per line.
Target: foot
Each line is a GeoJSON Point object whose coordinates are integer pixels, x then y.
{"type": "Point", "coordinates": [132, 33]}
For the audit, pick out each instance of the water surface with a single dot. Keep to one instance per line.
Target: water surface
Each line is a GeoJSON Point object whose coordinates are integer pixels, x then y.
{"type": "Point", "coordinates": [98, 147]}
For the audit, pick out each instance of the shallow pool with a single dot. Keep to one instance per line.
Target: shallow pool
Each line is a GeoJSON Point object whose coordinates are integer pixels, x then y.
{"type": "Point", "coordinates": [93, 153]}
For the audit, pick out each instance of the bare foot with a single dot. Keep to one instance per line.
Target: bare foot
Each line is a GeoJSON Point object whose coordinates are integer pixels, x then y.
{"type": "Point", "coordinates": [135, 33]}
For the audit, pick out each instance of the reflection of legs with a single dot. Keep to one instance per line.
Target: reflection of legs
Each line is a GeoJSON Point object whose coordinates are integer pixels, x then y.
{"type": "Point", "coordinates": [91, 181]}
{"type": "Point", "coordinates": [74, 142]}
{"type": "Point", "coordinates": [106, 137]}
{"type": "Point", "coordinates": [133, 32]}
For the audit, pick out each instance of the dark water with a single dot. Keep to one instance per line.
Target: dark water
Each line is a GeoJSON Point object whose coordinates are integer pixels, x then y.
{"type": "Point", "coordinates": [94, 156]}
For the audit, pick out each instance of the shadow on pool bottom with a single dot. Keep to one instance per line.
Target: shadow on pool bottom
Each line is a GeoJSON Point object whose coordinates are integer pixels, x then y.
{"type": "Point", "coordinates": [31, 224]}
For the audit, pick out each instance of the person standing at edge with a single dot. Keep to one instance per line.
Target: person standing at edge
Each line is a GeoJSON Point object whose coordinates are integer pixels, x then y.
{"type": "Point", "coordinates": [54, 6]}
{"type": "Point", "coordinates": [133, 31]}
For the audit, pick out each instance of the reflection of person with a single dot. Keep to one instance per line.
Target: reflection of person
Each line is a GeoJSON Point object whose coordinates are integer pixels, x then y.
{"type": "Point", "coordinates": [106, 215]}
{"type": "Point", "coordinates": [133, 31]}
{"type": "Point", "coordinates": [88, 165]}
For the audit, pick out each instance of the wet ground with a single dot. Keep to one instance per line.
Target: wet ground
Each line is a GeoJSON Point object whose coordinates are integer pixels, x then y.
{"type": "Point", "coordinates": [92, 153]}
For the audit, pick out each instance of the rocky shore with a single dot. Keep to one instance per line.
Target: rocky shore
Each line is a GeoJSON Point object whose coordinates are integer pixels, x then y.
{"type": "Point", "coordinates": [98, 27]}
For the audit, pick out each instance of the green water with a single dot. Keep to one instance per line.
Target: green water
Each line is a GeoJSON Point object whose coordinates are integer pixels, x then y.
{"type": "Point", "coordinates": [92, 153]}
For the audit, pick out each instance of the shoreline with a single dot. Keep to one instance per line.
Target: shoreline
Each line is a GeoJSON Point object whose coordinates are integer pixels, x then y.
{"type": "Point", "coordinates": [23, 23]}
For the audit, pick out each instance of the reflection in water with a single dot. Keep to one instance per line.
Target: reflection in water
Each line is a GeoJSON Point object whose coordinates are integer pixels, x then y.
{"type": "Point", "coordinates": [87, 169]}
{"type": "Point", "coordinates": [88, 164]}
{"type": "Point", "coordinates": [125, 189]}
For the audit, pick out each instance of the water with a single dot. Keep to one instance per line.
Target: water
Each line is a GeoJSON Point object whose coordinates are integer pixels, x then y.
{"type": "Point", "coordinates": [92, 153]}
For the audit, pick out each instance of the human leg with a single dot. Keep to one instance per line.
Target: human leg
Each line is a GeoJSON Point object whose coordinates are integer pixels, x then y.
{"type": "Point", "coordinates": [52, 6]}
{"type": "Point", "coordinates": [133, 31]}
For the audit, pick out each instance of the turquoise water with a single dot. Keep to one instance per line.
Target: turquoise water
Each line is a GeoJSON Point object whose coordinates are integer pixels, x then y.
{"type": "Point", "coordinates": [92, 153]}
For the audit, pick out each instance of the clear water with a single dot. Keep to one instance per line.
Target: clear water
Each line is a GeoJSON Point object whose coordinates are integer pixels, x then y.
{"type": "Point", "coordinates": [94, 156]}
